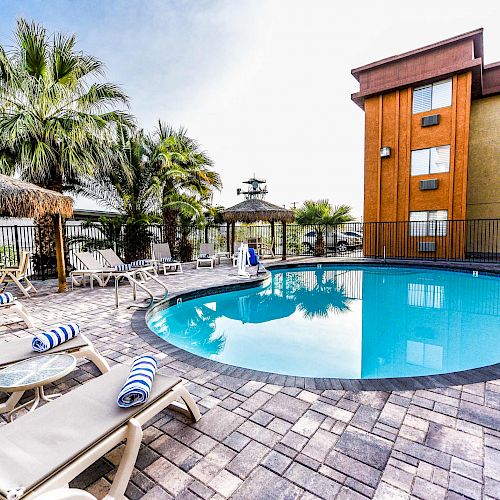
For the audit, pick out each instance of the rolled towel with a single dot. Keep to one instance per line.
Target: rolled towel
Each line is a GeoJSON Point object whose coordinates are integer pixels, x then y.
{"type": "Point", "coordinates": [141, 263]}
{"type": "Point", "coordinates": [166, 260]}
{"type": "Point", "coordinates": [52, 338]}
{"type": "Point", "coordinates": [123, 267]}
{"type": "Point", "coordinates": [203, 256]}
{"type": "Point", "coordinates": [137, 387]}
{"type": "Point", "coordinates": [6, 298]}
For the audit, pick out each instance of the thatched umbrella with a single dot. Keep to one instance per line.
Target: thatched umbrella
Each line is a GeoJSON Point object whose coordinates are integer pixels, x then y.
{"type": "Point", "coordinates": [22, 199]}
{"type": "Point", "coordinates": [255, 210]}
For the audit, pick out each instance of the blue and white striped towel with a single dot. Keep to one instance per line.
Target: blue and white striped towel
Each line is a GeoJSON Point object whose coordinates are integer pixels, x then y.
{"type": "Point", "coordinates": [166, 260]}
{"type": "Point", "coordinates": [6, 298]}
{"type": "Point", "coordinates": [52, 338]}
{"type": "Point", "coordinates": [123, 267]}
{"type": "Point", "coordinates": [141, 263]}
{"type": "Point", "coordinates": [137, 387]}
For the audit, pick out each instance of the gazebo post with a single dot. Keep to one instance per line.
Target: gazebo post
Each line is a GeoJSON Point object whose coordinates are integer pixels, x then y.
{"type": "Point", "coordinates": [233, 234]}
{"type": "Point", "coordinates": [273, 238]}
{"type": "Point", "coordinates": [283, 255]}
{"type": "Point", "coordinates": [59, 241]}
{"type": "Point", "coordinates": [228, 235]}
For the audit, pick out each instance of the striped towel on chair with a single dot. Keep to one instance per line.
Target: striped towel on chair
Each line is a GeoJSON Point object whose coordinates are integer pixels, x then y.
{"type": "Point", "coordinates": [123, 267]}
{"type": "Point", "coordinates": [166, 260]}
{"type": "Point", "coordinates": [141, 263]}
{"type": "Point", "coordinates": [137, 387]}
{"type": "Point", "coordinates": [52, 338]}
{"type": "Point", "coordinates": [6, 298]}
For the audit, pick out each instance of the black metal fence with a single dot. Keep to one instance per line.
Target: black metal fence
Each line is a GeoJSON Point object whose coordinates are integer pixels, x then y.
{"type": "Point", "coordinates": [471, 240]}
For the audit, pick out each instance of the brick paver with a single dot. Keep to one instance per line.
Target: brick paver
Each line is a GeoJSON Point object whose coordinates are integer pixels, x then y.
{"type": "Point", "coordinates": [258, 440]}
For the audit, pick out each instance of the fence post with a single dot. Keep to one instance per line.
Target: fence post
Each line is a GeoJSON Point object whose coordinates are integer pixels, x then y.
{"type": "Point", "coordinates": [16, 236]}
{"type": "Point", "coordinates": [283, 253]}
{"type": "Point", "coordinates": [326, 241]}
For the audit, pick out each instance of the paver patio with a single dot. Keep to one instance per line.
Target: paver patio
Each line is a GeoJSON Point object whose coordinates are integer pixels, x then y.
{"type": "Point", "coordinates": [258, 440]}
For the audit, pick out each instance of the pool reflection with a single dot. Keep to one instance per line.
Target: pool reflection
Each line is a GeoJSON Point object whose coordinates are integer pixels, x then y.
{"type": "Point", "coordinates": [346, 322]}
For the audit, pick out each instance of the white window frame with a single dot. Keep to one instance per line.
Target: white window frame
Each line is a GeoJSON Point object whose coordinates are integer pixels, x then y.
{"type": "Point", "coordinates": [430, 156]}
{"type": "Point", "coordinates": [429, 223]}
{"type": "Point", "coordinates": [428, 102]}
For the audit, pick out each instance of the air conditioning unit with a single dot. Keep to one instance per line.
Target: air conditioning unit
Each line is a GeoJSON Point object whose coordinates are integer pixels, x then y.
{"type": "Point", "coordinates": [430, 120]}
{"type": "Point", "coordinates": [428, 184]}
{"type": "Point", "coordinates": [426, 246]}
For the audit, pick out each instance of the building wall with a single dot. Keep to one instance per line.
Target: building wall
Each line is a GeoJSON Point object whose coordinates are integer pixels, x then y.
{"type": "Point", "coordinates": [390, 191]}
{"type": "Point", "coordinates": [483, 190]}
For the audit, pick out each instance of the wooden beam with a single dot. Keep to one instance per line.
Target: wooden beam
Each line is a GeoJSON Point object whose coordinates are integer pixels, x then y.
{"type": "Point", "coordinates": [59, 241]}
{"type": "Point", "coordinates": [273, 239]}
{"type": "Point", "coordinates": [283, 255]}
{"type": "Point", "coordinates": [228, 238]}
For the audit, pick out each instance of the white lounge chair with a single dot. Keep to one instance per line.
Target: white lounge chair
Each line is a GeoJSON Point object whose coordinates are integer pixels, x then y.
{"type": "Point", "coordinates": [20, 349]}
{"type": "Point", "coordinates": [46, 449]}
{"type": "Point", "coordinates": [17, 308]}
{"type": "Point", "coordinates": [210, 259]}
{"type": "Point", "coordinates": [93, 269]}
{"type": "Point", "coordinates": [113, 260]}
{"type": "Point", "coordinates": [18, 274]}
{"type": "Point", "coordinates": [163, 258]}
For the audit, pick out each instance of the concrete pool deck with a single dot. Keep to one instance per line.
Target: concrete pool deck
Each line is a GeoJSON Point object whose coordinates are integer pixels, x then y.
{"type": "Point", "coordinates": [264, 440]}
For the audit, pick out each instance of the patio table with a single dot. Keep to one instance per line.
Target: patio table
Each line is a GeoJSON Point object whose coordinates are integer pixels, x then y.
{"type": "Point", "coordinates": [33, 373]}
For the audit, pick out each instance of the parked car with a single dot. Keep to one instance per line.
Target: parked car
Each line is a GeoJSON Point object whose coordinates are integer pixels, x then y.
{"type": "Point", "coordinates": [338, 240]}
{"type": "Point", "coordinates": [354, 234]}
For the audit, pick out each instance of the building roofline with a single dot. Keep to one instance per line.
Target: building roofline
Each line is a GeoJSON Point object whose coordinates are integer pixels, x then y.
{"type": "Point", "coordinates": [476, 35]}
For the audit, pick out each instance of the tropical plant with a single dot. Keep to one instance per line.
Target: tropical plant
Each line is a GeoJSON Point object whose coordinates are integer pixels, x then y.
{"type": "Point", "coordinates": [56, 119]}
{"type": "Point", "coordinates": [132, 188]}
{"type": "Point", "coordinates": [212, 216]}
{"type": "Point", "coordinates": [320, 214]}
{"type": "Point", "coordinates": [186, 176]}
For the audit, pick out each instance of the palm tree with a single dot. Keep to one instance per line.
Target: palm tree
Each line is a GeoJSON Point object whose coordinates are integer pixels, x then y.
{"type": "Point", "coordinates": [55, 118]}
{"type": "Point", "coordinates": [132, 188]}
{"type": "Point", "coordinates": [186, 175]}
{"type": "Point", "coordinates": [321, 214]}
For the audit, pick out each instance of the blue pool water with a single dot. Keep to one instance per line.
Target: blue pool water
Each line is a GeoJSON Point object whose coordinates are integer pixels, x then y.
{"type": "Point", "coordinates": [356, 322]}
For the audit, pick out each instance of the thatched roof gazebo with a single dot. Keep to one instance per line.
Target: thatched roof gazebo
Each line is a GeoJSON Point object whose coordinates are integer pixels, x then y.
{"type": "Point", "coordinates": [23, 199]}
{"type": "Point", "coordinates": [255, 210]}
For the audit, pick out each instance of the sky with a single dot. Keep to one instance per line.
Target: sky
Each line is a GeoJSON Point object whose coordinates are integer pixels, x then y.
{"type": "Point", "coordinates": [263, 85]}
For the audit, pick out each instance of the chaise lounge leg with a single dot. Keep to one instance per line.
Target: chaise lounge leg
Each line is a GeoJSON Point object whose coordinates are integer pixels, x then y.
{"type": "Point", "coordinates": [92, 355]}
{"type": "Point", "coordinates": [191, 408]}
{"type": "Point", "coordinates": [22, 314]}
{"type": "Point", "coordinates": [129, 457]}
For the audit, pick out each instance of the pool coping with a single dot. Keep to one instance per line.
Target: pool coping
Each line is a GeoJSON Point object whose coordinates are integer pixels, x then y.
{"type": "Point", "coordinates": [472, 376]}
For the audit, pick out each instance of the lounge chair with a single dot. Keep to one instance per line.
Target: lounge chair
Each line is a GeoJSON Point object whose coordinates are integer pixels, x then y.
{"type": "Point", "coordinates": [163, 258]}
{"type": "Point", "coordinates": [46, 449]}
{"type": "Point", "coordinates": [207, 257]}
{"type": "Point", "coordinates": [17, 307]}
{"type": "Point", "coordinates": [20, 349]}
{"type": "Point", "coordinates": [93, 269]}
{"type": "Point", "coordinates": [113, 260]}
{"type": "Point", "coordinates": [18, 274]}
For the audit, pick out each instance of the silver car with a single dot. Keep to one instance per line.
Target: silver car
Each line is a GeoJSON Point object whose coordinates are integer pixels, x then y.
{"type": "Point", "coordinates": [338, 240]}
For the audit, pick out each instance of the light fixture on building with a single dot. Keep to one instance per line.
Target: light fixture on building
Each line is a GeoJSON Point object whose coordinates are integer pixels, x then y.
{"type": "Point", "coordinates": [385, 152]}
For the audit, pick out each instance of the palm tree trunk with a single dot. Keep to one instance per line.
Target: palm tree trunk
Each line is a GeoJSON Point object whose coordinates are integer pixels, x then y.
{"type": "Point", "coordinates": [44, 260]}
{"type": "Point", "coordinates": [170, 228]}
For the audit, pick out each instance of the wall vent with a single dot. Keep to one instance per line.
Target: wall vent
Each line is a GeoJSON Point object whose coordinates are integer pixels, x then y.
{"type": "Point", "coordinates": [428, 184]}
{"type": "Point", "coordinates": [430, 120]}
{"type": "Point", "coordinates": [426, 246]}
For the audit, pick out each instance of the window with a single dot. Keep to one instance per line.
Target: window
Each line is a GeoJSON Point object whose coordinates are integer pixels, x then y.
{"type": "Point", "coordinates": [430, 160]}
{"type": "Point", "coordinates": [429, 223]}
{"type": "Point", "coordinates": [433, 96]}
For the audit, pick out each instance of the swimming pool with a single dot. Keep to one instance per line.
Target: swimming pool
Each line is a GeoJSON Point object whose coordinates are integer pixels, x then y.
{"type": "Point", "coordinates": [359, 322]}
